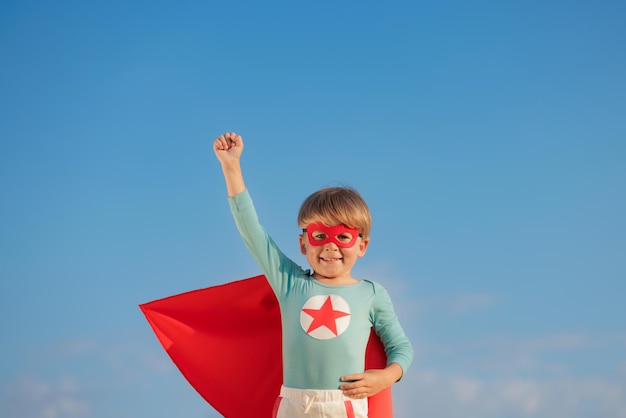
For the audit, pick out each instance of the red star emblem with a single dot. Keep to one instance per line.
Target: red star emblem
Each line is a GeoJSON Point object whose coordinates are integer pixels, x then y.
{"type": "Point", "coordinates": [324, 316]}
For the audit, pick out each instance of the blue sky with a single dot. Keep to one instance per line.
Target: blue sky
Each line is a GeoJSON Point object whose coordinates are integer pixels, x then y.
{"type": "Point", "coordinates": [487, 137]}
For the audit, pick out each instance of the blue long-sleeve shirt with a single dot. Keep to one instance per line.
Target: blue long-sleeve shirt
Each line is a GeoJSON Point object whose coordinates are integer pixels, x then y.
{"type": "Point", "coordinates": [325, 328]}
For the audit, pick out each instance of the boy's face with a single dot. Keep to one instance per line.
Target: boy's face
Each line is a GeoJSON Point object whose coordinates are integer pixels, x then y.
{"type": "Point", "coordinates": [332, 250]}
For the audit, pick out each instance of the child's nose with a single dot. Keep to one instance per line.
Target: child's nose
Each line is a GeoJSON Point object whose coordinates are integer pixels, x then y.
{"type": "Point", "coordinates": [331, 246]}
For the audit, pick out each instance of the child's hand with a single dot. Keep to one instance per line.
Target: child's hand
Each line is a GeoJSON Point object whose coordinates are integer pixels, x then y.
{"type": "Point", "coordinates": [228, 147]}
{"type": "Point", "coordinates": [365, 384]}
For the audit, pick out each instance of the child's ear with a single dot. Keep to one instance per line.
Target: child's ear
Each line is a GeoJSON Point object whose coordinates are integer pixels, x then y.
{"type": "Point", "coordinates": [363, 246]}
{"type": "Point", "coordinates": [302, 246]}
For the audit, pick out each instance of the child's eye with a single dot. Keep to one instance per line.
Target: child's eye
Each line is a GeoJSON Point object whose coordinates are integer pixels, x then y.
{"type": "Point", "coordinates": [319, 236]}
{"type": "Point", "coordinates": [344, 237]}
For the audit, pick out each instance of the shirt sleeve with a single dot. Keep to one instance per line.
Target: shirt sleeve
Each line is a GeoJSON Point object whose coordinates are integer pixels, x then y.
{"type": "Point", "coordinates": [386, 325]}
{"type": "Point", "coordinates": [278, 268]}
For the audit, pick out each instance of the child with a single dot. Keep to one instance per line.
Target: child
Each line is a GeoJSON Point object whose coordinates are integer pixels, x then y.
{"type": "Point", "coordinates": [326, 313]}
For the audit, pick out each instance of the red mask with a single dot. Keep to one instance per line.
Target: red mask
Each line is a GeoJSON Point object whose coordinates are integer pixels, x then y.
{"type": "Point", "coordinates": [341, 235]}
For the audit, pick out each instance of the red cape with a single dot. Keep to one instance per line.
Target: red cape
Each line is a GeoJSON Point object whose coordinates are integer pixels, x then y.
{"type": "Point", "coordinates": [226, 341]}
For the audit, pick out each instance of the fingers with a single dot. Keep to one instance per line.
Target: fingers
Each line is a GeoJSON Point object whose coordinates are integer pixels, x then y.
{"type": "Point", "coordinates": [363, 385]}
{"type": "Point", "coordinates": [357, 392]}
{"type": "Point", "coordinates": [227, 140]}
{"type": "Point", "coordinates": [357, 388]}
{"type": "Point", "coordinates": [353, 386]}
{"type": "Point", "coordinates": [222, 142]}
{"type": "Point", "coordinates": [353, 377]}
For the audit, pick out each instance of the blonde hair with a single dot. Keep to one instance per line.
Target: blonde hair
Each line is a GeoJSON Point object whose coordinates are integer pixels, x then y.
{"type": "Point", "coordinates": [336, 205]}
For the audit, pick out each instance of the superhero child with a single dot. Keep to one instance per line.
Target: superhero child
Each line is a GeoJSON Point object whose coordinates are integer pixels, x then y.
{"type": "Point", "coordinates": [326, 314]}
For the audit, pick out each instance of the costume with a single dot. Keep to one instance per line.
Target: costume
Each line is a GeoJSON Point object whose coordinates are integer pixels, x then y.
{"type": "Point", "coordinates": [226, 339]}
{"type": "Point", "coordinates": [327, 327]}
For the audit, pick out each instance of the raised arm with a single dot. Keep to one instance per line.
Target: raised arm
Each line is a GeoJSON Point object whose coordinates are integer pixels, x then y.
{"type": "Point", "coordinates": [228, 148]}
{"type": "Point", "coordinates": [277, 267]}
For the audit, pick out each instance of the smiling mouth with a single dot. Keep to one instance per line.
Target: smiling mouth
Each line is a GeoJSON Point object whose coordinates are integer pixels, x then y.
{"type": "Point", "coordinates": [330, 260]}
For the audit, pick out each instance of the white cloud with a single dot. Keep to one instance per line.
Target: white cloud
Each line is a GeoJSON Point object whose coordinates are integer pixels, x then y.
{"type": "Point", "coordinates": [468, 302]}
{"type": "Point", "coordinates": [505, 355]}
{"type": "Point", "coordinates": [92, 377]}
{"type": "Point", "coordinates": [131, 361]}
{"type": "Point", "coordinates": [125, 358]}
{"type": "Point", "coordinates": [556, 342]}
{"type": "Point", "coordinates": [403, 294]}
{"type": "Point", "coordinates": [31, 397]}
{"type": "Point", "coordinates": [521, 395]}
{"type": "Point", "coordinates": [465, 389]}
{"type": "Point", "coordinates": [506, 377]}
{"type": "Point", "coordinates": [621, 369]}
{"type": "Point", "coordinates": [430, 393]}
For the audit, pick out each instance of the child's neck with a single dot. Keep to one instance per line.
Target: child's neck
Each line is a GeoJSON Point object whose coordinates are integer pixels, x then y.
{"type": "Point", "coordinates": [335, 281]}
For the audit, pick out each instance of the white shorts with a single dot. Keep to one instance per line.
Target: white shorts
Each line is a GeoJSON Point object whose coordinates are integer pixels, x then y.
{"type": "Point", "coordinates": [309, 403]}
